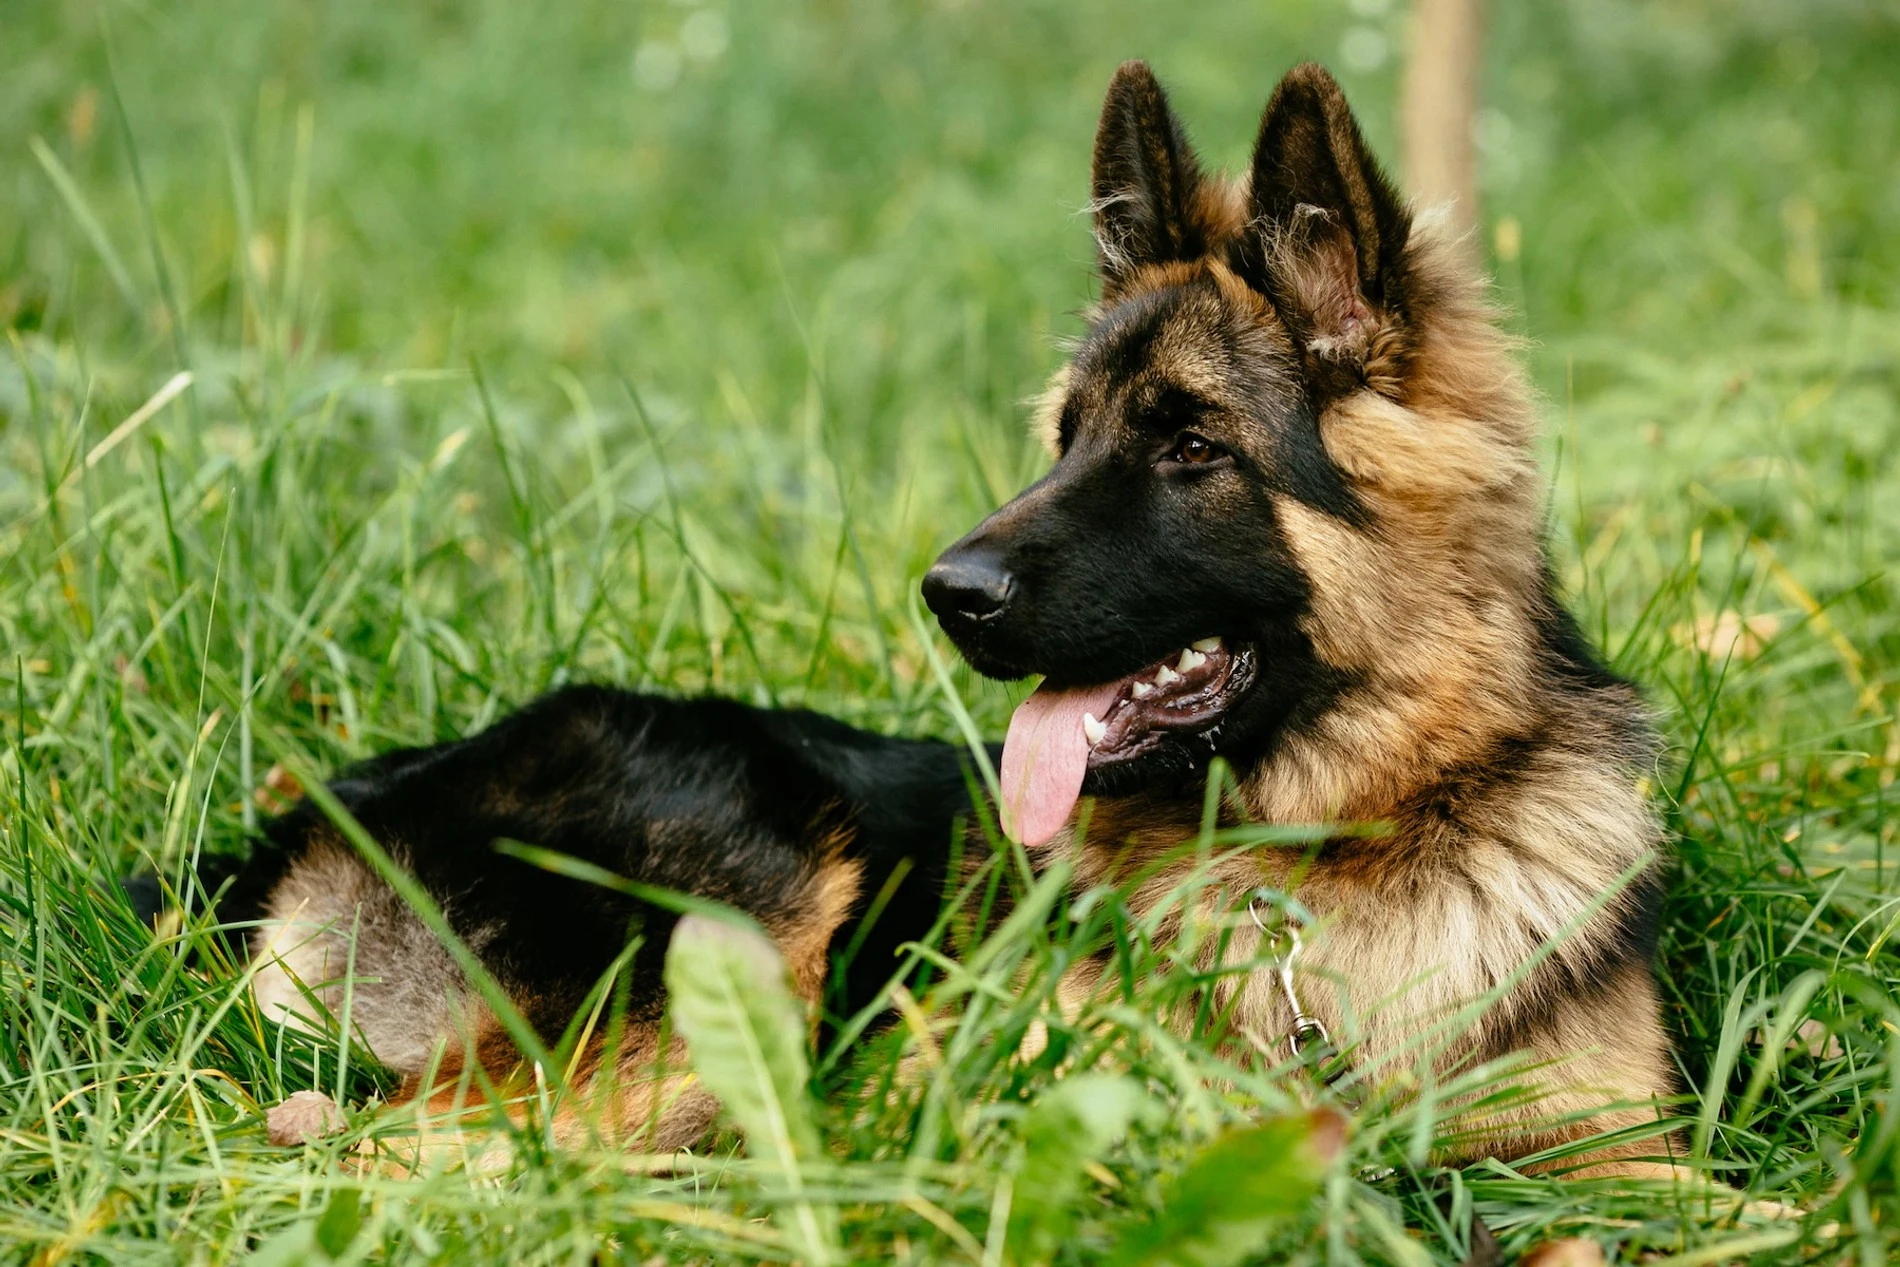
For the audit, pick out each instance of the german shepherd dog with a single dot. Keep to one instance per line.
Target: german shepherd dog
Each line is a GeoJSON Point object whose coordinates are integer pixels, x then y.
{"type": "Point", "coordinates": [1293, 520]}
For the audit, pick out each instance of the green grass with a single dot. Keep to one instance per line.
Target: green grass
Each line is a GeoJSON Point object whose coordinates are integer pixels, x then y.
{"type": "Point", "coordinates": [511, 367]}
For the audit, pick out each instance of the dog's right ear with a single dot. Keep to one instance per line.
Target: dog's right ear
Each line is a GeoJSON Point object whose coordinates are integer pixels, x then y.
{"type": "Point", "coordinates": [1145, 181]}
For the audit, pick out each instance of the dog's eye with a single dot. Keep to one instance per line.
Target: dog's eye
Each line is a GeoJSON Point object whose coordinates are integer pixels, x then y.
{"type": "Point", "coordinates": [1195, 450]}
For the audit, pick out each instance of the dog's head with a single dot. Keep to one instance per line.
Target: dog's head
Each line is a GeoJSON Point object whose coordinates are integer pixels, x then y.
{"type": "Point", "coordinates": [1288, 407]}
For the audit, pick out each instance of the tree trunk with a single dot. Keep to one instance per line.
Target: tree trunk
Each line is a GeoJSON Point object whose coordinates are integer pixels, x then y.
{"type": "Point", "coordinates": [1439, 102]}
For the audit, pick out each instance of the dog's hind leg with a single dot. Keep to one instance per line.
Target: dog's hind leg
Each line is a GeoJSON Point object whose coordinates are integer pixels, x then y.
{"type": "Point", "coordinates": [630, 1086]}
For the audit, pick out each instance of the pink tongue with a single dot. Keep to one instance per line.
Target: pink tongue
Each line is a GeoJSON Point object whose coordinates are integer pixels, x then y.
{"type": "Point", "coordinates": [1044, 758]}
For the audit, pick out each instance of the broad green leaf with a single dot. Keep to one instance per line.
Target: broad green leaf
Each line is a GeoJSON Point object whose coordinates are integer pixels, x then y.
{"type": "Point", "coordinates": [292, 1247]}
{"type": "Point", "coordinates": [1237, 1192]}
{"type": "Point", "coordinates": [341, 1219]}
{"type": "Point", "coordinates": [731, 997]}
{"type": "Point", "coordinates": [1068, 1128]}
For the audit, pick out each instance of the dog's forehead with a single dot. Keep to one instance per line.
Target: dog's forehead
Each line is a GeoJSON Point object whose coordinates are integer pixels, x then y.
{"type": "Point", "coordinates": [1189, 337]}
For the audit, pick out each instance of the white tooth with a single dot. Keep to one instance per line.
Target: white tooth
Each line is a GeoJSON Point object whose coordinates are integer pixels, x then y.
{"type": "Point", "coordinates": [1142, 690]}
{"type": "Point", "coordinates": [1206, 644]}
{"type": "Point", "coordinates": [1094, 730]}
{"type": "Point", "coordinates": [1164, 676]}
{"type": "Point", "coordinates": [1191, 660]}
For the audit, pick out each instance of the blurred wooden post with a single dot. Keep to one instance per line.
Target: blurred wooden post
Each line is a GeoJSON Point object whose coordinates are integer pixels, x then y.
{"type": "Point", "coordinates": [1438, 104]}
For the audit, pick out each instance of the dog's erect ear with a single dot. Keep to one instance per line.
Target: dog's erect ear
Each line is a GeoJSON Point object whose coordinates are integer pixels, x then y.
{"type": "Point", "coordinates": [1327, 241]}
{"type": "Point", "coordinates": [1145, 181]}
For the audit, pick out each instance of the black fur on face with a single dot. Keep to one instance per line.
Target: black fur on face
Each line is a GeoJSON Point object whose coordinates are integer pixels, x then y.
{"type": "Point", "coordinates": [1184, 420]}
{"type": "Point", "coordinates": [1190, 411]}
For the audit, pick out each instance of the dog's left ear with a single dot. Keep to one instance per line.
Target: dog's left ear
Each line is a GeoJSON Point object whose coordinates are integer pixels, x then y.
{"type": "Point", "coordinates": [1327, 242]}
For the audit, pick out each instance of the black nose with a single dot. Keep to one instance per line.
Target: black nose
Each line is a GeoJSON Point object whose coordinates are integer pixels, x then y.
{"type": "Point", "coordinates": [968, 585]}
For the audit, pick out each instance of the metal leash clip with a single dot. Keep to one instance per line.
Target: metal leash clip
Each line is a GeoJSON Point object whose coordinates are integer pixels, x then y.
{"type": "Point", "coordinates": [1308, 1040]}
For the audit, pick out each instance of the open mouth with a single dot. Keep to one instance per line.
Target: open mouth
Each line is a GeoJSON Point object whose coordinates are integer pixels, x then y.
{"type": "Point", "coordinates": [1061, 734]}
{"type": "Point", "coordinates": [1186, 694]}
